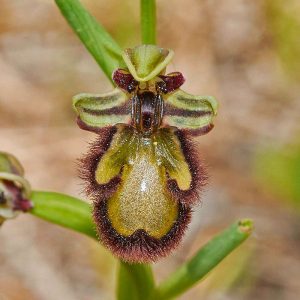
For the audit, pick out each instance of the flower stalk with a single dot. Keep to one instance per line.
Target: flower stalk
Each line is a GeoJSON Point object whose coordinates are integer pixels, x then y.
{"type": "Point", "coordinates": [148, 21]}
{"type": "Point", "coordinates": [206, 259]}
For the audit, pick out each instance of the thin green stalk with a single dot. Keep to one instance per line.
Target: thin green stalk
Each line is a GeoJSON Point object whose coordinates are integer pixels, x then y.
{"type": "Point", "coordinates": [148, 21]}
{"type": "Point", "coordinates": [63, 210]}
{"type": "Point", "coordinates": [93, 35]}
{"type": "Point", "coordinates": [135, 281]}
{"type": "Point", "coordinates": [204, 261]}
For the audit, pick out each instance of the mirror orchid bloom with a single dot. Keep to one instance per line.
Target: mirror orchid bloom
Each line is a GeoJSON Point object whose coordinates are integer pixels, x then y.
{"type": "Point", "coordinates": [144, 173]}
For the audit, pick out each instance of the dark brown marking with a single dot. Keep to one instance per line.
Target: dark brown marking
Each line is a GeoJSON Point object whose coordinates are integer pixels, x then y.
{"type": "Point", "coordinates": [147, 112]}
{"type": "Point", "coordinates": [170, 110]}
{"type": "Point", "coordinates": [117, 110]}
{"type": "Point", "coordinates": [199, 131]}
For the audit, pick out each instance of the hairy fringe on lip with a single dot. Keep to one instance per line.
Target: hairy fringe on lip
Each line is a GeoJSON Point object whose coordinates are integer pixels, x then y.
{"type": "Point", "coordinates": [140, 246]}
{"type": "Point", "coordinates": [88, 165]}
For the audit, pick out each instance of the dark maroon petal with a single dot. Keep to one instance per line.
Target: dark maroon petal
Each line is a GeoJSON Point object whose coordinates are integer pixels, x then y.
{"type": "Point", "coordinates": [172, 82]}
{"type": "Point", "coordinates": [19, 203]}
{"type": "Point", "coordinates": [124, 80]}
{"type": "Point", "coordinates": [23, 205]}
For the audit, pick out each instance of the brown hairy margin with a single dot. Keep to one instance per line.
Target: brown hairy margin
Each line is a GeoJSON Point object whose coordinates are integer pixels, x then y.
{"type": "Point", "coordinates": [89, 162]}
{"type": "Point", "coordinates": [140, 247]}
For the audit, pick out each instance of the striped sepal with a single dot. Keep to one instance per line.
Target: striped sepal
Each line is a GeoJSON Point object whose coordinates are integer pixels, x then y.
{"type": "Point", "coordinates": [188, 112]}
{"type": "Point", "coordinates": [99, 111]}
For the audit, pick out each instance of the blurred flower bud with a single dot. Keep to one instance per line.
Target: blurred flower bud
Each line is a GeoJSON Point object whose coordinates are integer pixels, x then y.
{"type": "Point", "coordinates": [14, 188]}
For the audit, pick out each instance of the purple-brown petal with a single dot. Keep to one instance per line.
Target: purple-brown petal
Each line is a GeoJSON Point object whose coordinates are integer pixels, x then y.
{"type": "Point", "coordinates": [173, 81]}
{"type": "Point", "coordinates": [124, 80]}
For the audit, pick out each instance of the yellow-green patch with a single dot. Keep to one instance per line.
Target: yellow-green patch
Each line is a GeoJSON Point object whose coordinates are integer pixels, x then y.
{"type": "Point", "coordinates": [142, 200]}
{"type": "Point", "coordinates": [146, 61]}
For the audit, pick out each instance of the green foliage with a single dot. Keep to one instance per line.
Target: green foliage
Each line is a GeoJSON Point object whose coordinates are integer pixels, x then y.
{"type": "Point", "coordinates": [205, 260]}
{"type": "Point", "coordinates": [279, 171]}
{"type": "Point", "coordinates": [63, 210]}
{"type": "Point", "coordinates": [284, 23]}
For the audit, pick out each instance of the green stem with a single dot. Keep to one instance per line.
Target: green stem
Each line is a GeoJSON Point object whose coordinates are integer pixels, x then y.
{"type": "Point", "coordinates": [93, 35]}
{"type": "Point", "coordinates": [205, 260]}
{"type": "Point", "coordinates": [148, 21]}
{"type": "Point", "coordinates": [63, 210]}
{"type": "Point", "coordinates": [135, 281]}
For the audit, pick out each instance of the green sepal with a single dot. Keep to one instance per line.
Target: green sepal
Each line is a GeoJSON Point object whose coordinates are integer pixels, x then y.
{"type": "Point", "coordinates": [190, 112]}
{"type": "Point", "coordinates": [10, 164]}
{"type": "Point", "coordinates": [147, 61]}
{"type": "Point", "coordinates": [99, 111]}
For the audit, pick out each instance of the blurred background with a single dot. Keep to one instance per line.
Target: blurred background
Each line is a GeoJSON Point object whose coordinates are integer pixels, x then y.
{"type": "Point", "coordinates": [246, 54]}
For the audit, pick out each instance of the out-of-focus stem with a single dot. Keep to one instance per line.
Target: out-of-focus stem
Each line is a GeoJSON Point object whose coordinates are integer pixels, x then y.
{"type": "Point", "coordinates": [63, 210]}
{"type": "Point", "coordinates": [205, 260]}
{"type": "Point", "coordinates": [148, 21]}
{"type": "Point", "coordinates": [134, 282]}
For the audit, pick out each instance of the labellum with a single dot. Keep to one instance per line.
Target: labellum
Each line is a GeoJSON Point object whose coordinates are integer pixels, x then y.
{"type": "Point", "coordinates": [144, 173]}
